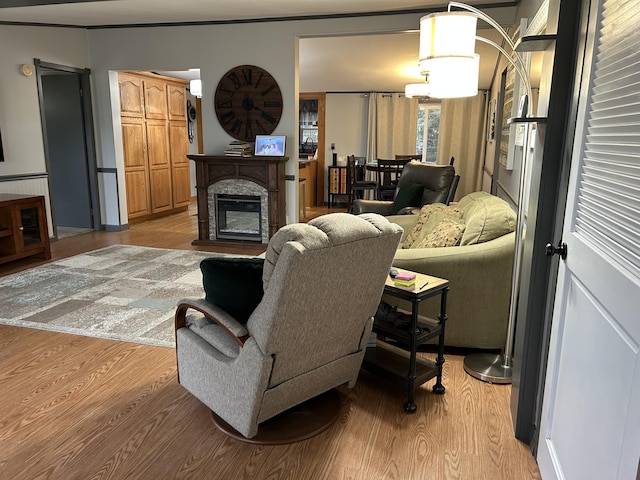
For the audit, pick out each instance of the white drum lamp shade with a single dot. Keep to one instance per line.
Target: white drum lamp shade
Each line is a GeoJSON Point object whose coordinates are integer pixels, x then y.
{"type": "Point", "coordinates": [454, 77]}
{"type": "Point", "coordinates": [446, 34]}
{"type": "Point", "coordinates": [417, 90]}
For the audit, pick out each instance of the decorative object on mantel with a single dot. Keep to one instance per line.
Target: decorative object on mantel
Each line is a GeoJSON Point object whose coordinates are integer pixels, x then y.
{"type": "Point", "coordinates": [247, 102]}
{"type": "Point", "coordinates": [238, 148]}
{"type": "Point", "coordinates": [270, 145]}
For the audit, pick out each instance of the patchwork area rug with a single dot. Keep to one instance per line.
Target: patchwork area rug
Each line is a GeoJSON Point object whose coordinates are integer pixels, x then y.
{"type": "Point", "coordinates": [120, 292]}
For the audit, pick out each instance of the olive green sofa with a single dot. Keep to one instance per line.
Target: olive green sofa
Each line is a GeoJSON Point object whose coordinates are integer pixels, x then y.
{"type": "Point", "coordinates": [479, 270]}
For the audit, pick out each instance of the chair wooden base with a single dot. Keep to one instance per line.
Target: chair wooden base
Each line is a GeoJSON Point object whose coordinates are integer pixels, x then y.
{"type": "Point", "coordinates": [294, 425]}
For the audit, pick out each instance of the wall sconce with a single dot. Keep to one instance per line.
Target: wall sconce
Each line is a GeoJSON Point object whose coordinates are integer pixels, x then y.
{"type": "Point", "coordinates": [195, 87]}
{"type": "Point", "coordinates": [447, 46]}
{"type": "Point", "coordinates": [26, 70]}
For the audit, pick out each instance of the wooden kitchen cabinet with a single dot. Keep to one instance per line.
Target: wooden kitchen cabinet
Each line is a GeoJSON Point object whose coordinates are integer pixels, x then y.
{"type": "Point", "coordinates": [136, 166]}
{"type": "Point", "coordinates": [155, 143]}
{"type": "Point", "coordinates": [180, 169]}
{"type": "Point", "coordinates": [131, 97]}
{"type": "Point", "coordinates": [308, 171]}
{"type": "Point", "coordinates": [159, 165]}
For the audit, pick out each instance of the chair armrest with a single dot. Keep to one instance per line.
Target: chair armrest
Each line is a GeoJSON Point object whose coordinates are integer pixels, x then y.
{"type": "Point", "coordinates": [371, 206]}
{"type": "Point", "coordinates": [234, 328]}
{"type": "Point", "coordinates": [408, 211]}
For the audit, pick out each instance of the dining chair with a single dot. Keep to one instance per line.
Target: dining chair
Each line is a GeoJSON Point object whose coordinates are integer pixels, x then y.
{"type": "Point", "coordinates": [416, 156]}
{"type": "Point", "coordinates": [357, 184]}
{"type": "Point", "coordinates": [454, 184]}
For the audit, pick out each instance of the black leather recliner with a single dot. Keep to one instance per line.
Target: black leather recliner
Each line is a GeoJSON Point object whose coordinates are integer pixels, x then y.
{"type": "Point", "coordinates": [439, 187]}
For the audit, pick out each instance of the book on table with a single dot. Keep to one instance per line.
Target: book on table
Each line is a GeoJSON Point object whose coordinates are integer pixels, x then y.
{"type": "Point", "coordinates": [405, 279]}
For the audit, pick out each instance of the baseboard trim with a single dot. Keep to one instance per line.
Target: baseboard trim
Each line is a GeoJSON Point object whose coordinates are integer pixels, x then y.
{"type": "Point", "coordinates": [114, 228]}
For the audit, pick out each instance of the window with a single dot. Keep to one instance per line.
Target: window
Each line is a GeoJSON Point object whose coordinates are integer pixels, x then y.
{"type": "Point", "coordinates": [427, 138]}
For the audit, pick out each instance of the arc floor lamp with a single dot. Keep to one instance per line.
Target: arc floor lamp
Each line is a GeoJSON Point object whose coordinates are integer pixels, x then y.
{"type": "Point", "coordinates": [448, 60]}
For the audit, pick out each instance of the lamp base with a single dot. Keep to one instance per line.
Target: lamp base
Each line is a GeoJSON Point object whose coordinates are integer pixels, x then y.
{"type": "Point", "coordinates": [488, 367]}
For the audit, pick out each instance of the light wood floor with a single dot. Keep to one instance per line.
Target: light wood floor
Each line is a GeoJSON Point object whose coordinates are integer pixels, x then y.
{"type": "Point", "coordinates": [84, 408]}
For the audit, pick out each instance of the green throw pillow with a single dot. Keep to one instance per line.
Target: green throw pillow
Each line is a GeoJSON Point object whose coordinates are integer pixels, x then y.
{"type": "Point", "coordinates": [409, 195]}
{"type": "Point", "coordinates": [233, 284]}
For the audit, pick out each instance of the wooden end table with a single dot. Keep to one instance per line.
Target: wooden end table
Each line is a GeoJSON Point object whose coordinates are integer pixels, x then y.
{"type": "Point", "coordinates": [401, 364]}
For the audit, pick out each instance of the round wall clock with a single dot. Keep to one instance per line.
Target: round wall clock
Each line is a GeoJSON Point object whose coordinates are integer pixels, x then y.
{"type": "Point", "coordinates": [248, 102]}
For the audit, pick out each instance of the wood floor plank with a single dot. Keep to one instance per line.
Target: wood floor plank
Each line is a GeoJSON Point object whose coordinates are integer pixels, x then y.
{"type": "Point", "coordinates": [78, 408]}
{"type": "Point", "coordinates": [128, 418]}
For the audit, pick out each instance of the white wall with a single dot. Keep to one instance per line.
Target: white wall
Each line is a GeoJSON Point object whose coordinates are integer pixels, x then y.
{"type": "Point", "coordinates": [345, 126]}
{"type": "Point", "coordinates": [19, 105]}
{"type": "Point", "coordinates": [215, 49]}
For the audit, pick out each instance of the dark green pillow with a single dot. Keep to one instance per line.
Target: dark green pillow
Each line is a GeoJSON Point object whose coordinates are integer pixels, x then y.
{"type": "Point", "coordinates": [409, 195]}
{"type": "Point", "coordinates": [233, 284]}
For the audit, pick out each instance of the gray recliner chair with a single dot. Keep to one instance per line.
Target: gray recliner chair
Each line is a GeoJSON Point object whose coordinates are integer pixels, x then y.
{"type": "Point", "coordinates": [322, 285]}
{"type": "Point", "coordinates": [437, 181]}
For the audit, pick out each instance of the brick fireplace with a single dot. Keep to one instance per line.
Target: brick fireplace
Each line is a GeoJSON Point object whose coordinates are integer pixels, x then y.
{"type": "Point", "coordinates": [240, 182]}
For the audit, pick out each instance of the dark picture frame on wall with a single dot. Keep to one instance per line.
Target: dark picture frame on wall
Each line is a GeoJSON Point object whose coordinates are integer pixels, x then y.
{"type": "Point", "coordinates": [506, 139]}
{"type": "Point", "coordinates": [491, 120]}
{"type": "Point", "coordinates": [1, 150]}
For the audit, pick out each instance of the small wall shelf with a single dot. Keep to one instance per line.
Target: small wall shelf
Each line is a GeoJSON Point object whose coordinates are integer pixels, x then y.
{"type": "Point", "coordinates": [526, 120]}
{"type": "Point", "coordinates": [534, 43]}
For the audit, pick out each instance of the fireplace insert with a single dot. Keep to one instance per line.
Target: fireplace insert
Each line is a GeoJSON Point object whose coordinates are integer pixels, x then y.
{"type": "Point", "coordinates": [238, 217]}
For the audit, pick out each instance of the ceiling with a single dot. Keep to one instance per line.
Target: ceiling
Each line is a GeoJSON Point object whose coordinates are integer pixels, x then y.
{"type": "Point", "coordinates": [384, 62]}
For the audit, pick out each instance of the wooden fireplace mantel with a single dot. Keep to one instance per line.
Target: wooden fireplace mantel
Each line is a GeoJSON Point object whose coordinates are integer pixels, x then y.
{"type": "Point", "coordinates": [268, 172]}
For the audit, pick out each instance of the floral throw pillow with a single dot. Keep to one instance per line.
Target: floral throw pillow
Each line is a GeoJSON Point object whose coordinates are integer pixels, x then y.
{"type": "Point", "coordinates": [428, 218]}
{"type": "Point", "coordinates": [447, 233]}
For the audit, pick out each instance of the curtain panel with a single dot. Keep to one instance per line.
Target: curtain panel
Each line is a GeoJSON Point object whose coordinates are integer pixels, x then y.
{"type": "Point", "coordinates": [462, 136]}
{"type": "Point", "coordinates": [393, 125]}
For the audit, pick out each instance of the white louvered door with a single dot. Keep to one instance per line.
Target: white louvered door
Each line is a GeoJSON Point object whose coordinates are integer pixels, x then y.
{"type": "Point", "coordinates": [590, 425]}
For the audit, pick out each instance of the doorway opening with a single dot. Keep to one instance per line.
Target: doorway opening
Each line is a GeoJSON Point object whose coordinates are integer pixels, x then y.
{"type": "Point", "coordinates": [67, 127]}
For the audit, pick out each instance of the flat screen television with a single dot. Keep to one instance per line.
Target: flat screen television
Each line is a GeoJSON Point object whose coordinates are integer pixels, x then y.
{"type": "Point", "coordinates": [270, 145]}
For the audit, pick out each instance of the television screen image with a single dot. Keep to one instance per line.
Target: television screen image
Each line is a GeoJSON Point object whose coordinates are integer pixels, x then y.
{"type": "Point", "coordinates": [270, 145]}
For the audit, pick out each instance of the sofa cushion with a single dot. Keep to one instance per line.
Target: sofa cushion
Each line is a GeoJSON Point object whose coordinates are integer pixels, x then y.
{"type": "Point", "coordinates": [233, 284]}
{"type": "Point", "coordinates": [430, 215]}
{"type": "Point", "coordinates": [486, 217]}
{"type": "Point", "coordinates": [409, 195]}
{"type": "Point", "coordinates": [447, 233]}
